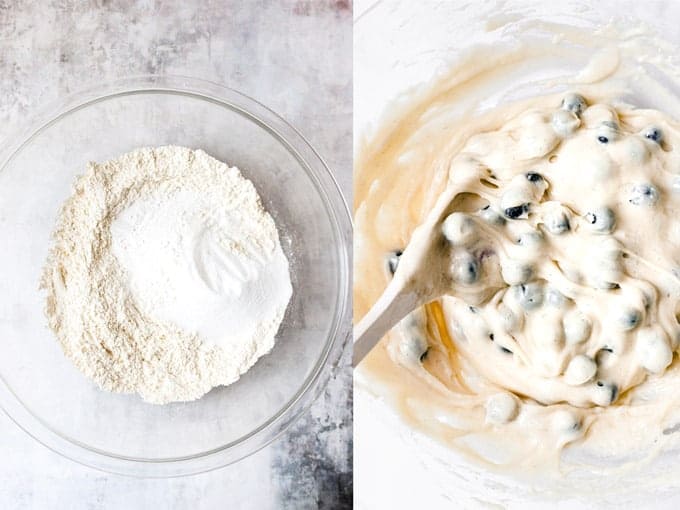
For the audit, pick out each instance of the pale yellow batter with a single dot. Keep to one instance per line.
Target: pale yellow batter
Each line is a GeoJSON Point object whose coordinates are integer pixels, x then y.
{"type": "Point", "coordinates": [565, 229]}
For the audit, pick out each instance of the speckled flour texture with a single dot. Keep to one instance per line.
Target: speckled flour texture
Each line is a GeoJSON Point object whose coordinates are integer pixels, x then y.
{"type": "Point", "coordinates": [144, 245]}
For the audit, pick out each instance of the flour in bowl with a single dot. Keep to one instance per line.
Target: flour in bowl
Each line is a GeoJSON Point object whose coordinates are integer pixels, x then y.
{"type": "Point", "coordinates": [166, 277]}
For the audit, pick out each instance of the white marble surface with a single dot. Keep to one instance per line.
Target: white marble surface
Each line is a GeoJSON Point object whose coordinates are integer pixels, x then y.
{"type": "Point", "coordinates": [294, 56]}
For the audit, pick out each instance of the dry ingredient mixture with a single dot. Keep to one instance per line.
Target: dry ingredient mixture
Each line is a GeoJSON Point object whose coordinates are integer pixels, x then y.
{"type": "Point", "coordinates": [166, 277]}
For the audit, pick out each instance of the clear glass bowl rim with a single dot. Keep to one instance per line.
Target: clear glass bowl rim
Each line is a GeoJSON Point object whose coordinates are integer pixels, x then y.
{"type": "Point", "coordinates": [340, 330]}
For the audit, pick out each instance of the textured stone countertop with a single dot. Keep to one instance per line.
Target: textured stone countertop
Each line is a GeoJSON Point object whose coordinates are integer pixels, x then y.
{"type": "Point", "coordinates": [295, 57]}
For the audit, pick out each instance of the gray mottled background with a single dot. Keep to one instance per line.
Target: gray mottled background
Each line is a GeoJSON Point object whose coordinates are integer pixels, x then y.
{"type": "Point", "coordinates": [295, 57]}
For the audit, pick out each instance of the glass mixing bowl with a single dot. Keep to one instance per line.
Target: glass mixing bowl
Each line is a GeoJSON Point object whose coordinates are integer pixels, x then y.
{"type": "Point", "coordinates": [40, 388]}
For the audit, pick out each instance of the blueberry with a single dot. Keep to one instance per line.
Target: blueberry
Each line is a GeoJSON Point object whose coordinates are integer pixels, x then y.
{"type": "Point", "coordinates": [605, 393]}
{"type": "Point", "coordinates": [654, 134]}
{"type": "Point", "coordinates": [644, 194]}
{"type": "Point", "coordinates": [580, 370]}
{"type": "Point", "coordinates": [559, 227]}
{"type": "Point", "coordinates": [501, 408]}
{"type": "Point", "coordinates": [393, 261]}
{"type": "Point", "coordinates": [557, 223]}
{"type": "Point", "coordinates": [653, 350]}
{"type": "Point", "coordinates": [602, 220]}
{"type": "Point", "coordinates": [529, 295]}
{"type": "Point", "coordinates": [614, 391]}
{"type": "Point", "coordinates": [608, 131]}
{"type": "Point", "coordinates": [574, 103]}
{"type": "Point", "coordinates": [534, 177]}
{"type": "Point", "coordinates": [564, 123]}
{"type": "Point", "coordinates": [413, 347]}
{"type": "Point", "coordinates": [629, 319]}
{"type": "Point", "coordinates": [459, 229]}
{"type": "Point", "coordinates": [470, 274]}
{"type": "Point", "coordinates": [566, 422]}
{"type": "Point", "coordinates": [517, 212]}
{"type": "Point", "coordinates": [577, 327]}
{"type": "Point", "coordinates": [465, 269]}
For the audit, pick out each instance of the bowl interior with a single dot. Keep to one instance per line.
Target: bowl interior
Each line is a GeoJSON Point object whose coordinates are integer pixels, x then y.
{"type": "Point", "coordinates": [36, 181]}
{"type": "Point", "coordinates": [391, 58]}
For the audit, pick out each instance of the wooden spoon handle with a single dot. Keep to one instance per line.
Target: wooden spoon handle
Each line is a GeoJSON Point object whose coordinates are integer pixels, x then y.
{"type": "Point", "coordinates": [416, 281]}
{"type": "Point", "coordinates": [395, 303]}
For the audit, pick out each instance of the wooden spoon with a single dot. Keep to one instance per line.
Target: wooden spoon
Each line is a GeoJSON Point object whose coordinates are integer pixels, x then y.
{"type": "Point", "coordinates": [425, 272]}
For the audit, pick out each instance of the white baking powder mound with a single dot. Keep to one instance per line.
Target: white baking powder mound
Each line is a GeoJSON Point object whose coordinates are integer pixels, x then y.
{"type": "Point", "coordinates": [166, 277]}
{"type": "Point", "coordinates": [193, 262]}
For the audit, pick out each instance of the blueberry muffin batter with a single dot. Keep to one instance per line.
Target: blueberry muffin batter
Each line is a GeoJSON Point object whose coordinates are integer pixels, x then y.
{"type": "Point", "coordinates": [562, 320]}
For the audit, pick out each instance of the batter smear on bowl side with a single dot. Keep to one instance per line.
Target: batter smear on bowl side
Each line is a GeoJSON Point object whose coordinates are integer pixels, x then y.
{"type": "Point", "coordinates": [166, 277]}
